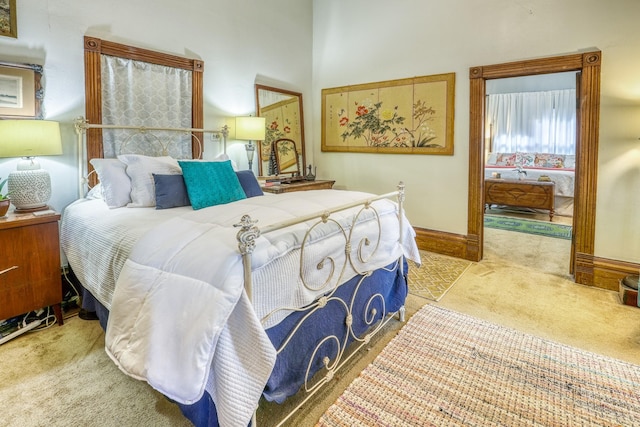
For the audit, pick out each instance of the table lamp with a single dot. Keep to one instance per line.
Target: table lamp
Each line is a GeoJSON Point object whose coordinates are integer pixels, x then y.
{"type": "Point", "coordinates": [29, 186]}
{"type": "Point", "coordinates": [250, 129]}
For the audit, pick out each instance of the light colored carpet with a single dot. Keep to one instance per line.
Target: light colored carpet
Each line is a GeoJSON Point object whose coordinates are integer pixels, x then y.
{"type": "Point", "coordinates": [62, 376]}
{"type": "Point", "coordinates": [436, 275]}
{"type": "Point", "coordinates": [465, 371]}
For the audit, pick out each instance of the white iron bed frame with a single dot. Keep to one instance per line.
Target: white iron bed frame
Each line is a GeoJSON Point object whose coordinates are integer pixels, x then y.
{"type": "Point", "coordinates": [249, 231]}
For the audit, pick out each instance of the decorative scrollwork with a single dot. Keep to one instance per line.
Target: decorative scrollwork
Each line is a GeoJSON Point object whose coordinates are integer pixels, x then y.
{"type": "Point", "coordinates": [247, 235]}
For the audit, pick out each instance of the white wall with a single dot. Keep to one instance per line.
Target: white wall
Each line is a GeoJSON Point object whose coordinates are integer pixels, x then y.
{"type": "Point", "coordinates": [362, 41]}
{"type": "Point", "coordinates": [240, 42]}
{"type": "Point", "coordinates": [297, 46]}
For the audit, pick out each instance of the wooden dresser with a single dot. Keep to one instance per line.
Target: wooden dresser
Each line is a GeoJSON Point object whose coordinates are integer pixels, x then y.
{"type": "Point", "coordinates": [29, 264]}
{"type": "Point", "coordinates": [520, 193]}
{"type": "Point", "coordinates": [299, 186]}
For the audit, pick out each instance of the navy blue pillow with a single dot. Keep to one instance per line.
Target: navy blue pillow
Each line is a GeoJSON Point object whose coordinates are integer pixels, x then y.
{"type": "Point", "coordinates": [249, 183]}
{"type": "Point", "coordinates": [171, 191]}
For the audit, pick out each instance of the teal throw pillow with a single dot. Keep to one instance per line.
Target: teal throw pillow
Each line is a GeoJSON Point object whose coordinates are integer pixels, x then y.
{"type": "Point", "coordinates": [211, 183]}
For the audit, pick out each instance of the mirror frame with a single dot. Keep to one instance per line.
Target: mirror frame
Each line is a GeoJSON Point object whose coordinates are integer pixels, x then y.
{"type": "Point", "coordinates": [280, 158]}
{"type": "Point", "coordinates": [267, 144]}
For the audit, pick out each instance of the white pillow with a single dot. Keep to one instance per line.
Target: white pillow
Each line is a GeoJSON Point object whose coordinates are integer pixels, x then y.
{"type": "Point", "coordinates": [116, 185]}
{"type": "Point", "coordinates": [141, 169]}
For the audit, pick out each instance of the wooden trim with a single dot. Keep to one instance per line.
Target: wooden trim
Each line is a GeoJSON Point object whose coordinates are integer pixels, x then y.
{"type": "Point", "coordinates": [584, 222]}
{"type": "Point", "coordinates": [455, 245]}
{"type": "Point", "coordinates": [608, 272]}
{"type": "Point", "coordinates": [93, 102]}
{"type": "Point", "coordinates": [106, 47]}
{"type": "Point", "coordinates": [475, 208]}
{"type": "Point", "coordinates": [197, 108]}
{"type": "Point", "coordinates": [588, 65]}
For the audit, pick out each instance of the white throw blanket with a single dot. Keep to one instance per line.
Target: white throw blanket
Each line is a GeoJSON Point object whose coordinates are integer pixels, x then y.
{"type": "Point", "coordinates": [180, 318]}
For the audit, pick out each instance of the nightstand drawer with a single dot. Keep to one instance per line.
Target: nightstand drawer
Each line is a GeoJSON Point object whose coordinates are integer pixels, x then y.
{"type": "Point", "coordinates": [30, 266]}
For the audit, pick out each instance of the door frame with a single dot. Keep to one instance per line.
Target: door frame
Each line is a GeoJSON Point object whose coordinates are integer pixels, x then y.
{"type": "Point", "coordinates": [586, 171]}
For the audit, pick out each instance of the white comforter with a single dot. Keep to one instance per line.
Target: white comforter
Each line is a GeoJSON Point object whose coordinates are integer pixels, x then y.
{"type": "Point", "coordinates": [180, 318]}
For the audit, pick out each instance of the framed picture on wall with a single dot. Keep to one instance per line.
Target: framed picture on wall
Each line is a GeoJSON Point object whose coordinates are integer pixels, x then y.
{"type": "Point", "coordinates": [20, 91]}
{"type": "Point", "coordinates": [406, 116]}
{"type": "Point", "coordinates": [8, 21]}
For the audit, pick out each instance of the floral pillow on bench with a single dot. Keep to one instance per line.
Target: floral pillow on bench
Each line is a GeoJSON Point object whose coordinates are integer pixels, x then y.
{"type": "Point", "coordinates": [532, 160]}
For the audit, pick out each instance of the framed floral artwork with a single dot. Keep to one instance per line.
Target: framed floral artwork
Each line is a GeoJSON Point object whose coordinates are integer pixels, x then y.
{"type": "Point", "coordinates": [405, 116]}
{"type": "Point", "coordinates": [8, 26]}
{"type": "Point", "coordinates": [21, 90]}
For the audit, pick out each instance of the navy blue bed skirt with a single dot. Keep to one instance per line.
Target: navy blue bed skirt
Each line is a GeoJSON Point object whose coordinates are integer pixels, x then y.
{"type": "Point", "coordinates": [389, 288]}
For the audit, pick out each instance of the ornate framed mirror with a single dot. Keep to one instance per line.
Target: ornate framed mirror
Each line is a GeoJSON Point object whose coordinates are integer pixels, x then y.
{"type": "Point", "coordinates": [282, 110]}
{"type": "Point", "coordinates": [287, 158]}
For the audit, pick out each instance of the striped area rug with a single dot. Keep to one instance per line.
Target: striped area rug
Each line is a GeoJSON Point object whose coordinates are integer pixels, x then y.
{"type": "Point", "coordinates": [449, 369]}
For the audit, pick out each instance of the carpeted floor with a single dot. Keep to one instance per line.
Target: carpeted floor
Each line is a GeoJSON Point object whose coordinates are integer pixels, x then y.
{"type": "Point", "coordinates": [541, 228]}
{"type": "Point", "coordinates": [466, 371]}
{"type": "Point", "coordinates": [436, 275]}
{"type": "Point", "coordinates": [62, 376]}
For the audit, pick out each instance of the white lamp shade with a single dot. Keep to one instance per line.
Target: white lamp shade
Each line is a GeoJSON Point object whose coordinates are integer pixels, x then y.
{"type": "Point", "coordinates": [29, 138]}
{"type": "Point", "coordinates": [250, 128]}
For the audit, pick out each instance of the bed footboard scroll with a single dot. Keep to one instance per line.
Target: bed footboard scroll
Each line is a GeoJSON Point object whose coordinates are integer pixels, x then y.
{"type": "Point", "coordinates": [358, 250]}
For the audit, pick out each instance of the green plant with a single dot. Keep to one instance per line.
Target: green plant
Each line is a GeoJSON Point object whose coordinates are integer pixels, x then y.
{"type": "Point", "coordinates": [3, 196]}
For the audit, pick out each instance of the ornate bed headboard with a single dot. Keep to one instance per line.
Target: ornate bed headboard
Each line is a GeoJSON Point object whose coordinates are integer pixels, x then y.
{"type": "Point", "coordinates": [100, 57]}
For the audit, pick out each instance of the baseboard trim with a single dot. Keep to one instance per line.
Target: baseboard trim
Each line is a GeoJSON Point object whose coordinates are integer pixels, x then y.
{"type": "Point", "coordinates": [608, 272]}
{"type": "Point", "coordinates": [440, 242]}
{"type": "Point", "coordinates": [590, 270]}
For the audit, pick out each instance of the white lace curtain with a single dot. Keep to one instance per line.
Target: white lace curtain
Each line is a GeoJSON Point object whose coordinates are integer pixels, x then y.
{"type": "Point", "coordinates": [136, 93]}
{"type": "Point", "coordinates": [533, 122]}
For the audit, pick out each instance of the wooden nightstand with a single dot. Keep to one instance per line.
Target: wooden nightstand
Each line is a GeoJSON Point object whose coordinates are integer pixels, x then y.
{"type": "Point", "coordinates": [29, 264]}
{"type": "Point", "coordinates": [299, 186]}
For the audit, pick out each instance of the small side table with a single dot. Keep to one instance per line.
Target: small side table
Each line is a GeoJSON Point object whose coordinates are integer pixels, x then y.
{"type": "Point", "coordinates": [30, 264]}
{"type": "Point", "coordinates": [299, 186]}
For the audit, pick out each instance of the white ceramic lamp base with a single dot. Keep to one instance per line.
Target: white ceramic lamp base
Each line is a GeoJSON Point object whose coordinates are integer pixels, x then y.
{"type": "Point", "coordinates": [29, 190]}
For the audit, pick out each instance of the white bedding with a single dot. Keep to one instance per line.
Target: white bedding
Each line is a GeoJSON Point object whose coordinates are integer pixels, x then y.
{"type": "Point", "coordinates": [150, 334]}
{"type": "Point", "coordinates": [564, 179]}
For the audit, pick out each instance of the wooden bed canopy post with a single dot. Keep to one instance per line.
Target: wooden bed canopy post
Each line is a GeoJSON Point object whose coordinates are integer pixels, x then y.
{"type": "Point", "coordinates": [93, 49]}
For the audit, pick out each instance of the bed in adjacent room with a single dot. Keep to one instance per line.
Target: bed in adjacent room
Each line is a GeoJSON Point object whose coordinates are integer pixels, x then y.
{"type": "Point", "coordinates": [558, 168]}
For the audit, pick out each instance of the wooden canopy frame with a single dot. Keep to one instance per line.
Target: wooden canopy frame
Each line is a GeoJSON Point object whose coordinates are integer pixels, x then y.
{"type": "Point", "coordinates": [93, 49]}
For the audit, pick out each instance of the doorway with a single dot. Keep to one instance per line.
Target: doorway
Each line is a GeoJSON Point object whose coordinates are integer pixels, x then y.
{"type": "Point", "coordinates": [587, 66]}
{"type": "Point", "coordinates": [530, 143]}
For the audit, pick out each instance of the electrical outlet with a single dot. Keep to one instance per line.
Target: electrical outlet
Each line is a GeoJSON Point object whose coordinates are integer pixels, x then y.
{"type": "Point", "coordinates": [215, 137]}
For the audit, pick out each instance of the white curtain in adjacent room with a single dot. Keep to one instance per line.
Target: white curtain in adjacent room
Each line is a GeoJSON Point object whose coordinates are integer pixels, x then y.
{"type": "Point", "coordinates": [136, 93]}
{"type": "Point", "coordinates": [533, 122]}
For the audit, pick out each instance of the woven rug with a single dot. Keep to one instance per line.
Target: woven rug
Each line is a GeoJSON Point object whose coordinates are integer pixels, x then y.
{"type": "Point", "coordinates": [450, 369]}
{"type": "Point", "coordinates": [548, 229]}
{"type": "Point", "coordinates": [436, 275]}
